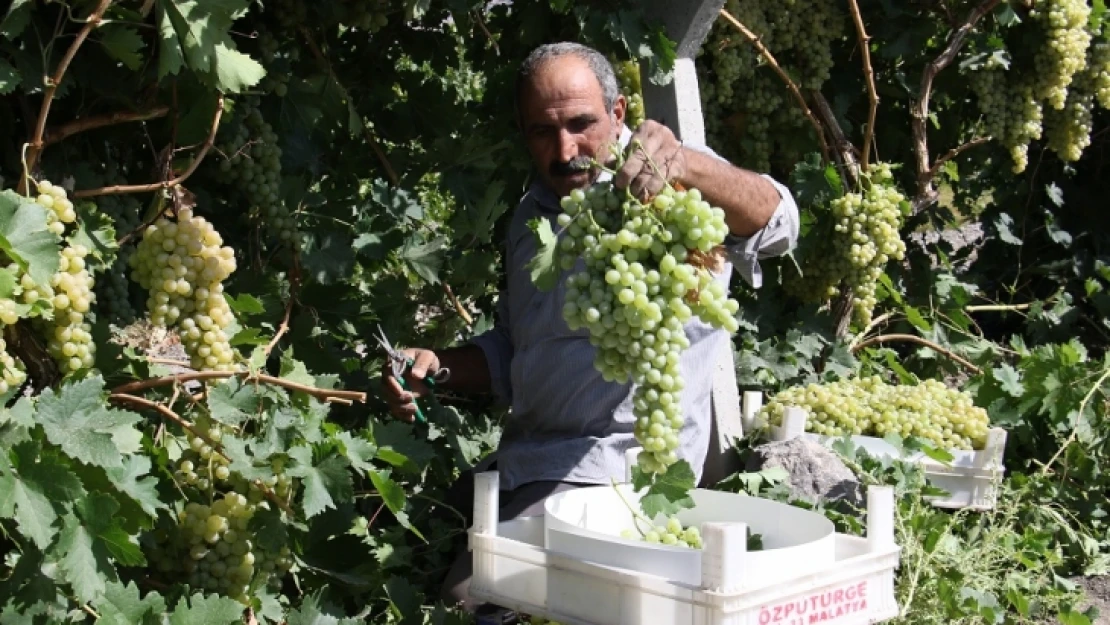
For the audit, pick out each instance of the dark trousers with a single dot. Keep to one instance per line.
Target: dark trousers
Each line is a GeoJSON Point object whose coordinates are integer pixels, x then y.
{"type": "Point", "coordinates": [525, 500]}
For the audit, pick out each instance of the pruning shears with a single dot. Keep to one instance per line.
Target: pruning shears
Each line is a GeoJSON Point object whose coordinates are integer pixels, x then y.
{"type": "Point", "coordinates": [399, 362]}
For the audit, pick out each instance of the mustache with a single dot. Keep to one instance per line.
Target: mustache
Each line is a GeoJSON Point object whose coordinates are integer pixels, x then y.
{"type": "Point", "coordinates": [573, 166]}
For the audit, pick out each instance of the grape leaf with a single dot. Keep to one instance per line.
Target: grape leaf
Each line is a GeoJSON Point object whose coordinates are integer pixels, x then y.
{"type": "Point", "coordinates": [24, 237]}
{"type": "Point", "coordinates": [425, 258]}
{"type": "Point", "coordinates": [392, 494]}
{"type": "Point", "coordinates": [309, 614]}
{"type": "Point", "coordinates": [10, 78]}
{"type": "Point", "coordinates": [77, 420]}
{"type": "Point", "coordinates": [30, 509]}
{"type": "Point", "coordinates": [325, 484]}
{"type": "Point", "coordinates": [1009, 379]}
{"type": "Point", "coordinates": [231, 402]}
{"type": "Point", "coordinates": [97, 232]}
{"type": "Point", "coordinates": [669, 492]}
{"type": "Point", "coordinates": [47, 473]}
{"type": "Point", "coordinates": [236, 71]}
{"type": "Point", "coordinates": [122, 605]}
{"type": "Point", "coordinates": [122, 43]}
{"type": "Point", "coordinates": [16, 18]}
{"type": "Point", "coordinates": [85, 563]}
{"type": "Point", "coordinates": [207, 610]}
{"type": "Point", "coordinates": [544, 271]}
{"type": "Point", "coordinates": [359, 451]}
{"type": "Point", "coordinates": [397, 446]}
{"type": "Point", "coordinates": [327, 257]}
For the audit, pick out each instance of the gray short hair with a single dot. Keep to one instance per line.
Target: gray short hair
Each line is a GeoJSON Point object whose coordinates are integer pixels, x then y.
{"type": "Point", "coordinates": [599, 65]}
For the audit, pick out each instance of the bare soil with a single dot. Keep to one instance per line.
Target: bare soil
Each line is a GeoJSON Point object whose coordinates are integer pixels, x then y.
{"type": "Point", "coordinates": [1097, 589]}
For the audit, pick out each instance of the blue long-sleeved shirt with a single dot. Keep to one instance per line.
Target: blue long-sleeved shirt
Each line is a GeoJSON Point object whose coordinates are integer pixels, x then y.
{"type": "Point", "coordinates": [566, 423]}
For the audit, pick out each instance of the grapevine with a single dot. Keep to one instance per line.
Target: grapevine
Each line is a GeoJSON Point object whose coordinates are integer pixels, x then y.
{"type": "Point", "coordinates": [113, 290]}
{"type": "Point", "coordinates": [870, 407]}
{"type": "Point", "coordinates": [865, 238]}
{"type": "Point", "coordinates": [182, 265]}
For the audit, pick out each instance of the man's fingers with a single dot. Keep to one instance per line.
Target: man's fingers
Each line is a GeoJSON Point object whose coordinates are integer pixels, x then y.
{"type": "Point", "coordinates": [424, 360]}
{"type": "Point", "coordinates": [629, 170]}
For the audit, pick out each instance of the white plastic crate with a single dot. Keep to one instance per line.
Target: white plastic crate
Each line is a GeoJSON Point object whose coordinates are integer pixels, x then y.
{"type": "Point", "coordinates": [515, 567]}
{"type": "Point", "coordinates": [971, 478]}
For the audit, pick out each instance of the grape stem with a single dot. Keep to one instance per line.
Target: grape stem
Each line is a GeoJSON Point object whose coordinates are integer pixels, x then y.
{"type": "Point", "coordinates": [887, 338]}
{"type": "Point", "coordinates": [755, 41]}
{"type": "Point", "coordinates": [869, 72]}
{"type": "Point", "coordinates": [166, 184]}
{"type": "Point", "coordinates": [926, 194]}
{"type": "Point", "coordinates": [36, 143]}
{"type": "Point", "coordinates": [189, 427]}
{"type": "Point", "coordinates": [319, 393]}
{"type": "Point", "coordinates": [637, 516]}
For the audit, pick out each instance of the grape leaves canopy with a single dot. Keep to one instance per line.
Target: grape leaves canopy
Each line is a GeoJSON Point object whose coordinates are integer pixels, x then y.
{"type": "Point", "coordinates": [207, 207]}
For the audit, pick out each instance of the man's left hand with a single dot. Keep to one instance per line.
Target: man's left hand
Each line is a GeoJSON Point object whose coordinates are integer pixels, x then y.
{"type": "Point", "coordinates": [655, 158]}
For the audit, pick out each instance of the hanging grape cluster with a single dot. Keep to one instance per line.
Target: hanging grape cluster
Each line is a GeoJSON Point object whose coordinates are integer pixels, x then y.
{"type": "Point", "coordinates": [865, 238]}
{"type": "Point", "coordinates": [113, 289]}
{"type": "Point", "coordinates": [749, 113]}
{"type": "Point", "coordinates": [212, 547]}
{"type": "Point", "coordinates": [206, 469]}
{"type": "Point", "coordinates": [644, 277]}
{"type": "Point", "coordinates": [869, 406]}
{"type": "Point", "coordinates": [182, 265]}
{"type": "Point", "coordinates": [1052, 95]}
{"type": "Point", "coordinates": [59, 208]}
{"type": "Point", "coordinates": [252, 167]}
{"type": "Point", "coordinates": [628, 77]}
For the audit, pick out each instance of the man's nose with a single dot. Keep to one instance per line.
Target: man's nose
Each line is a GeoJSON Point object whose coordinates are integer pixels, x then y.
{"type": "Point", "coordinates": [568, 146]}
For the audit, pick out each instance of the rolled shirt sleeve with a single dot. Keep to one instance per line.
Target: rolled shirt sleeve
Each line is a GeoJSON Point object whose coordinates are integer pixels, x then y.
{"type": "Point", "coordinates": [778, 237]}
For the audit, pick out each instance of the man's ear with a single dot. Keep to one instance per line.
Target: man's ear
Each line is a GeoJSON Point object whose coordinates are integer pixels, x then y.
{"type": "Point", "coordinates": [620, 107]}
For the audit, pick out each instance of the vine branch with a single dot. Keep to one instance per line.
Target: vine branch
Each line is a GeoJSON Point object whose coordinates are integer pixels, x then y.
{"type": "Point", "coordinates": [458, 305]}
{"type": "Point", "coordinates": [36, 143]}
{"type": "Point", "coordinates": [909, 338]}
{"type": "Point", "coordinates": [953, 153]}
{"type": "Point", "coordinates": [189, 427]}
{"type": "Point", "coordinates": [755, 41]}
{"type": "Point", "coordinates": [155, 186]}
{"type": "Point", "coordinates": [926, 194]}
{"type": "Point", "coordinates": [846, 153]}
{"type": "Point", "coordinates": [61, 133]}
{"type": "Point", "coordinates": [869, 72]}
{"type": "Point", "coordinates": [319, 393]}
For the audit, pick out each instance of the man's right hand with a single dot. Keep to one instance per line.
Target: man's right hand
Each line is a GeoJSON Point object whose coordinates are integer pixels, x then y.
{"type": "Point", "coordinates": [402, 403]}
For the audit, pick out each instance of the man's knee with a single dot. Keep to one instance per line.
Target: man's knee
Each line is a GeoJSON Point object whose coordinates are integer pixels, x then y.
{"type": "Point", "coordinates": [456, 586]}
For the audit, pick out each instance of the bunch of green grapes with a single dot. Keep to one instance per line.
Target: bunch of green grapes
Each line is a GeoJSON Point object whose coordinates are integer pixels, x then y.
{"type": "Point", "coordinates": [252, 167]}
{"type": "Point", "coordinates": [59, 208]}
{"type": "Point", "coordinates": [870, 407]}
{"type": "Point", "coordinates": [1054, 98]}
{"type": "Point", "coordinates": [213, 548]}
{"type": "Point", "coordinates": [671, 533]}
{"type": "Point", "coordinates": [628, 75]}
{"type": "Point", "coordinates": [750, 114]}
{"type": "Point", "coordinates": [205, 468]}
{"type": "Point", "coordinates": [182, 265]}
{"type": "Point", "coordinates": [112, 290]}
{"type": "Point", "coordinates": [865, 238]}
{"type": "Point", "coordinates": [368, 15]}
{"type": "Point", "coordinates": [1063, 53]}
{"type": "Point", "coordinates": [12, 372]}
{"type": "Point", "coordinates": [69, 333]}
{"type": "Point", "coordinates": [645, 275]}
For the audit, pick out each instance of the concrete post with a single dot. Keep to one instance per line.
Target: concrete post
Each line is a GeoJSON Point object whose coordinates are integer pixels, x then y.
{"type": "Point", "coordinates": [678, 104]}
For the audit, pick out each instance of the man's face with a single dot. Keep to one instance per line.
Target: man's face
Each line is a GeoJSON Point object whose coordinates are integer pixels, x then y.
{"type": "Point", "coordinates": [563, 117]}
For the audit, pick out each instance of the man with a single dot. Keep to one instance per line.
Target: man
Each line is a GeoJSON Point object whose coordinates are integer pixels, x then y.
{"type": "Point", "coordinates": [567, 426]}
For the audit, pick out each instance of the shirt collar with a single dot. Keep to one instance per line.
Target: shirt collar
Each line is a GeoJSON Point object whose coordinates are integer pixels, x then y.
{"type": "Point", "coordinates": [547, 200]}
